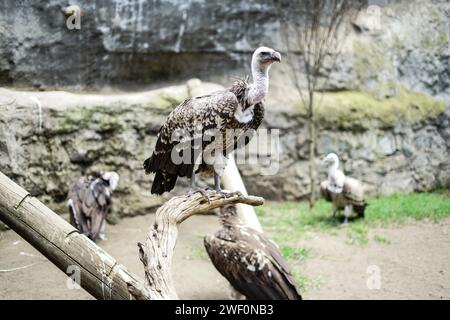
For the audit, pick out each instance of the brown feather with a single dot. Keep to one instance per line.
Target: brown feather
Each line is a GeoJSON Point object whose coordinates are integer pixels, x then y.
{"type": "Point", "coordinates": [250, 262]}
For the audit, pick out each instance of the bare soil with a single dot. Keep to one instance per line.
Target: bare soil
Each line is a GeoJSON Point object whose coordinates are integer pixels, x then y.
{"type": "Point", "coordinates": [413, 260]}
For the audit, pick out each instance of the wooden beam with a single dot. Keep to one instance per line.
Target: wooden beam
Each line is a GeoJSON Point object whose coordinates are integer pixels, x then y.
{"type": "Point", "coordinates": [101, 275]}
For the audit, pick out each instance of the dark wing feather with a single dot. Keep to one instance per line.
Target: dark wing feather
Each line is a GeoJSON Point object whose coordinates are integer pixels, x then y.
{"type": "Point", "coordinates": [77, 195]}
{"type": "Point", "coordinates": [255, 271]}
{"type": "Point", "coordinates": [326, 194]}
{"type": "Point", "coordinates": [212, 111]}
{"type": "Point", "coordinates": [91, 200]}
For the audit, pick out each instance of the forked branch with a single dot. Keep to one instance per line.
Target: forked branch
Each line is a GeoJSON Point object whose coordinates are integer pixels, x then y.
{"type": "Point", "coordinates": [157, 251]}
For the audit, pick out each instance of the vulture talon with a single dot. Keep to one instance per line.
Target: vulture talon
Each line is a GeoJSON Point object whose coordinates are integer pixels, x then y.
{"type": "Point", "coordinates": [194, 190]}
{"type": "Point", "coordinates": [222, 193]}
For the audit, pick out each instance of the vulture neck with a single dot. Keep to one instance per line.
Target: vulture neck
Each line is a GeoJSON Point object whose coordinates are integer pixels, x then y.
{"type": "Point", "coordinates": [332, 169]}
{"type": "Point", "coordinates": [260, 86]}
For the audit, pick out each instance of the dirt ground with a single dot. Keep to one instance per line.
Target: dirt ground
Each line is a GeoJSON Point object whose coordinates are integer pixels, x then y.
{"type": "Point", "coordinates": [415, 264]}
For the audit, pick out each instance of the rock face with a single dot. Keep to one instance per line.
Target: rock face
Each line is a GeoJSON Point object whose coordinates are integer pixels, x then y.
{"type": "Point", "coordinates": [139, 42]}
{"type": "Point", "coordinates": [46, 150]}
{"type": "Point", "coordinates": [404, 158]}
{"type": "Point", "coordinates": [124, 42]}
{"type": "Point", "coordinates": [74, 134]}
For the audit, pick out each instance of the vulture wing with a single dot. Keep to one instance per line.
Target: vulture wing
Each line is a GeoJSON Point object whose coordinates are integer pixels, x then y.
{"type": "Point", "coordinates": [89, 203]}
{"type": "Point", "coordinates": [255, 268]}
{"type": "Point", "coordinates": [353, 191]}
{"type": "Point", "coordinates": [75, 203]}
{"type": "Point", "coordinates": [326, 194]}
{"type": "Point", "coordinates": [190, 119]}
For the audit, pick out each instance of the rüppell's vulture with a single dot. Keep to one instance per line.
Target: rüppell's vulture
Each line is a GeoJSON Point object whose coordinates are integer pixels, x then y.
{"type": "Point", "coordinates": [249, 260]}
{"type": "Point", "coordinates": [343, 192]}
{"type": "Point", "coordinates": [200, 132]}
{"type": "Point", "coordinates": [89, 201]}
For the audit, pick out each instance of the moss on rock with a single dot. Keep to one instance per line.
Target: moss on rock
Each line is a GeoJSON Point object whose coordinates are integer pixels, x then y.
{"type": "Point", "coordinates": [359, 110]}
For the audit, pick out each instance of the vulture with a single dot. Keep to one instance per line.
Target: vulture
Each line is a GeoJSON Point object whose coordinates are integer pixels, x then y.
{"type": "Point", "coordinates": [89, 200]}
{"type": "Point", "coordinates": [249, 260]}
{"type": "Point", "coordinates": [199, 133]}
{"type": "Point", "coordinates": [343, 192]}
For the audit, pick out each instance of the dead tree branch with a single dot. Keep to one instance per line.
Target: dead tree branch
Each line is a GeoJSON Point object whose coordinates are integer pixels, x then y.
{"type": "Point", "coordinates": [157, 252]}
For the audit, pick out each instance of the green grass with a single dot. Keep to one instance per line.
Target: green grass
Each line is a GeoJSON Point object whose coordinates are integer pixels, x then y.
{"type": "Point", "coordinates": [197, 253]}
{"type": "Point", "coordinates": [288, 222]}
{"type": "Point", "coordinates": [305, 283]}
{"type": "Point", "coordinates": [398, 208]}
{"type": "Point", "coordinates": [291, 220]}
{"type": "Point", "coordinates": [296, 253]}
{"type": "Point", "coordinates": [381, 239]}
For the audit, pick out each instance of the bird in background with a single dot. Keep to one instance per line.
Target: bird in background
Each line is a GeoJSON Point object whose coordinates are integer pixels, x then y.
{"type": "Point", "coordinates": [203, 146]}
{"type": "Point", "coordinates": [344, 193]}
{"type": "Point", "coordinates": [89, 201]}
{"type": "Point", "coordinates": [251, 262]}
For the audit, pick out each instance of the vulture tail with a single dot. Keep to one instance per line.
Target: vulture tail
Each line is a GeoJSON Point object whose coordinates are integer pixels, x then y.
{"type": "Point", "coordinates": [163, 182]}
{"type": "Point", "coordinates": [359, 209]}
{"type": "Point", "coordinates": [149, 164]}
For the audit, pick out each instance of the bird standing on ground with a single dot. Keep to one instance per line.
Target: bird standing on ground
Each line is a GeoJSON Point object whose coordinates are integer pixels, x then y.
{"type": "Point", "coordinates": [342, 191]}
{"type": "Point", "coordinates": [249, 260]}
{"type": "Point", "coordinates": [196, 135]}
{"type": "Point", "coordinates": [89, 200]}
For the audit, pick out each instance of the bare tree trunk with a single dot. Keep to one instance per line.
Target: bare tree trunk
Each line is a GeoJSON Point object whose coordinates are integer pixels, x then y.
{"type": "Point", "coordinates": [312, 150]}
{"type": "Point", "coordinates": [156, 254]}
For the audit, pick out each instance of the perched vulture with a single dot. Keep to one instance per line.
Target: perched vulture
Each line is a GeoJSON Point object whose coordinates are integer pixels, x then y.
{"type": "Point", "coordinates": [249, 260]}
{"type": "Point", "coordinates": [89, 201]}
{"type": "Point", "coordinates": [343, 192]}
{"type": "Point", "coordinates": [200, 132]}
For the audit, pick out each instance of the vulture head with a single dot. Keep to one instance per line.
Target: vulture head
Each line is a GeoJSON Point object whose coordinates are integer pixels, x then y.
{"type": "Point", "coordinates": [331, 160]}
{"type": "Point", "coordinates": [228, 210]}
{"type": "Point", "coordinates": [263, 57]}
{"type": "Point", "coordinates": [112, 178]}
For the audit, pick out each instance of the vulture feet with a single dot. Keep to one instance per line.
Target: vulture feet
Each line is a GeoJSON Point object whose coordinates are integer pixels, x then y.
{"type": "Point", "coordinates": [193, 190]}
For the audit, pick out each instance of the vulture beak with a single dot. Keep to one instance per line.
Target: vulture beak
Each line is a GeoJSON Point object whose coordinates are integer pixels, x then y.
{"type": "Point", "coordinates": [276, 56]}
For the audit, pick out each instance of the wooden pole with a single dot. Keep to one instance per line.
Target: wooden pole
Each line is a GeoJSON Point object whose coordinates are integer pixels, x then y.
{"type": "Point", "coordinates": [100, 274]}
{"type": "Point", "coordinates": [157, 252]}
{"type": "Point", "coordinates": [232, 181]}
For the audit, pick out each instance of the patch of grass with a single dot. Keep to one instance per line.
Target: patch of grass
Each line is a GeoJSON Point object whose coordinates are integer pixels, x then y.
{"type": "Point", "coordinates": [381, 239]}
{"type": "Point", "coordinates": [289, 220]}
{"type": "Point", "coordinates": [295, 253]}
{"type": "Point", "coordinates": [357, 233]}
{"type": "Point", "coordinates": [398, 208]}
{"type": "Point", "coordinates": [197, 253]}
{"type": "Point", "coordinates": [305, 283]}
{"type": "Point", "coordinates": [286, 222]}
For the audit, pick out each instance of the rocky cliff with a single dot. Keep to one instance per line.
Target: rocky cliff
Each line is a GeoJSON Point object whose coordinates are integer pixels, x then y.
{"type": "Point", "coordinates": [140, 43]}
{"type": "Point", "coordinates": [48, 139]}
